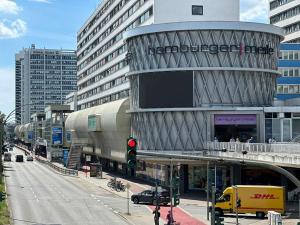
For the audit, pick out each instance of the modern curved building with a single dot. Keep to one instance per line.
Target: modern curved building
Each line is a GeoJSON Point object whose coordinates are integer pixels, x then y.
{"type": "Point", "coordinates": [191, 82]}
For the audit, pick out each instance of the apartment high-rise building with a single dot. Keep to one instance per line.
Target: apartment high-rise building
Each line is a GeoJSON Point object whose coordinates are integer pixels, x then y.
{"type": "Point", "coordinates": [286, 14]}
{"type": "Point", "coordinates": [43, 77]}
{"type": "Point", "coordinates": [101, 51]}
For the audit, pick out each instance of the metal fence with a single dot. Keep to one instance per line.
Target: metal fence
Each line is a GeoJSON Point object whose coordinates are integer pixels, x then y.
{"type": "Point", "coordinates": [290, 148]}
{"type": "Point", "coordinates": [279, 153]}
{"type": "Point", "coordinates": [59, 169]}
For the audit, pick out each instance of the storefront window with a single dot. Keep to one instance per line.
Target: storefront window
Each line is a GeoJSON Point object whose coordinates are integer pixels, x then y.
{"type": "Point", "coordinates": [197, 177]}
{"type": "Point", "coordinates": [296, 127]}
{"type": "Point", "coordinates": [276, 129]}
{"type": "Point", "coordinates": [286, 130]}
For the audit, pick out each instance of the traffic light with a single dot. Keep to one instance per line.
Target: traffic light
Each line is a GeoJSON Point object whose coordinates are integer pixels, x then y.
{"type": "Point", "coordinates": [238, 203]}
{"type": "Point", "coordinates": [131, 152]}
{"type": "Point", "coordinates": [176, 190]}
{"type": "Point", "coordinates": [176, 199]}
{"type": "Point", "coordinates": [218, 219]}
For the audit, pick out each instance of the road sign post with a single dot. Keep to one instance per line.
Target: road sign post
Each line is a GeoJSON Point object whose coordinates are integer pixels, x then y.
{"type": "Point", "coordinates": [127, 187]}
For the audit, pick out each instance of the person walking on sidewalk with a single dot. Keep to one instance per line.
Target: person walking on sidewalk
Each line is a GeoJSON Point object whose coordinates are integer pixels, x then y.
{"type": "Point", "coordinates": [156, 215]}
{"type": "Point", "coordinates": [169, 218]}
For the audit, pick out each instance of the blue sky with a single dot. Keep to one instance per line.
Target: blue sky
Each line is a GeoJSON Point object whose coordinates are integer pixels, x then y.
{"type": "Point", "coordinates": [54, 24]}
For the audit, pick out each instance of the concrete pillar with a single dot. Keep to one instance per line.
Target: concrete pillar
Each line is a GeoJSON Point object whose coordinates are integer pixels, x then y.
{"type": "Point", "coordinates": [235, 174]}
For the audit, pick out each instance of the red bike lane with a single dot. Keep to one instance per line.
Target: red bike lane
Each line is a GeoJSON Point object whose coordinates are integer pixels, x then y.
{"type": "Point", "coordinates": [178, 214]}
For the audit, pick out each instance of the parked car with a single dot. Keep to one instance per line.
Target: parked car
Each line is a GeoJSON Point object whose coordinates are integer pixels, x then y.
{"type": "Point", "coordinates": [19, 158]}
{"type": "Point", "coordinates": [148, 196]}
{"type": "Point", "coordinates": [29, 158]}
{"type": "Point", "coordinates": [7, 156]}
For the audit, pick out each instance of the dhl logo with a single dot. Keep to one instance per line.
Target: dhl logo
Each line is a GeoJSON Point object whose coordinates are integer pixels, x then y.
{"type": "Point", "coordinates": [263, 196]}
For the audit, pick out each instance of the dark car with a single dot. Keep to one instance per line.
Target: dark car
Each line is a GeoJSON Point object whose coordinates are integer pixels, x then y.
{"type": "Point", "coordinates": [148, 196]}
{"type": "Point", "coordinates": [19, 158]}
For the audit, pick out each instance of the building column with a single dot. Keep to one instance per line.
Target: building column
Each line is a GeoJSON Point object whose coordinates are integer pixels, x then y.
{"type": "Point", "coordinates": [235, 174]}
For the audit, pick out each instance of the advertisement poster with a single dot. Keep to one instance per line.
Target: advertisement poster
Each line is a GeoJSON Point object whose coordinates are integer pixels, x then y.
{"type": "Point", "coordinates": [65, 156]}
{"type": "Point", "coordinates": [56, 135]}
{"type": "Point", "coordinates": [30, 135]}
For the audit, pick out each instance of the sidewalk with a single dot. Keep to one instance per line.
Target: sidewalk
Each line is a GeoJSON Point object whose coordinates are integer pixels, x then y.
{"type": "Point", "coordinates": [179, 214]}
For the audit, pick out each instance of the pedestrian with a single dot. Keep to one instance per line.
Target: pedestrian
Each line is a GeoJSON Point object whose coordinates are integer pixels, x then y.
{"type": "Point", "coordinates": [169, 218]}
{"type": "Point", "coordinates": [156, 215]}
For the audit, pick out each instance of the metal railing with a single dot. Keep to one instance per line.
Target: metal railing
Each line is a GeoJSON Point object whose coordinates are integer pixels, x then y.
{"type": "Point", "coordinates": [59, 169]}
{"type": "Point", "coordinates": [281, 153]}
{"type": "Point", "coordinates": [285, 148]}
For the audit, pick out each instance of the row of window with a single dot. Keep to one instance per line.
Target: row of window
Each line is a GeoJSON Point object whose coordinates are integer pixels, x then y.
{"type": "Point", "coordinates": [47, 67]}
{"type": "Point", "coordinates": [108, 18]}
{"type": "Point", "coordinates": [117, 37]}
{"type": "Point", "coordinates": [290, 72]}
{"type": "Point", "coordinates": [278, 3]}
{"type": "Point", "coordinates": [42, 72]}
{"type": "Point", "coordinates": [285, 15]}
{"type": "Point", "coordinates": [106, 99]}
{"type": "Point", "coordinates": [289, 55]}
{"type": "Point", "coordinates": [94, 20]}
{"type": "Point", "coordinates": [49, 62]}
{"type": "Point", "coordinates": [103, 87]}
{"type": "Point", "coordinates": [116, 24]}
{"type": "Point", "coordinates": [56, 57]}
{"type": "Point", "coordinates": [292, 28]}
{"type": "Point", "coordinates": [288, 89]}
{"type": "Point", "coordinates": [146, 15]}
{"type": "Point", "coordinates": [103, 74]}
{"type": "Point", "coordinates": [103, 61]}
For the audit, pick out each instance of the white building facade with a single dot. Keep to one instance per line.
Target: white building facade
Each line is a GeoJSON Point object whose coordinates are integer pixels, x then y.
{"type": "Point", "coordinates": [43, 77]}
{"type": "Point", "coordinates": [286, 14]}
{"type": "Point", "coordinates": [101, 50]}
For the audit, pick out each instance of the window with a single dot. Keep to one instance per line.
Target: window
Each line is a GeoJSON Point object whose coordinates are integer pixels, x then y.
{"type": "Point", "coordinates": [197, 10]}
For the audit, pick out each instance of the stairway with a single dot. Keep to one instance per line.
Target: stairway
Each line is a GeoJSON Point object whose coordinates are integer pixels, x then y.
{"type": "Point", "coordinates": [74, 157]}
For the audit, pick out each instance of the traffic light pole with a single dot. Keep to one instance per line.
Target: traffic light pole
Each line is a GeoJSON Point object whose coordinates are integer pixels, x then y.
{"type": "Point", "coordinates": [171, 189]}
{"type": "Point", "coordinates": [213, 201]}
{"type": "Point", "coordinates": [207, 190]}
{"type": "Point", "coordinates": [236, 205]}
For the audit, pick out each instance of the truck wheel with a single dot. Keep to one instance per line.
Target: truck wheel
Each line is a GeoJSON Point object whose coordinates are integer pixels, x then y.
{"type": "Point", "coordinates": [136, 201]}
{"type": "Point", "coordinates": [260, 215]}
{"type": "Point", "coordinates": [219, 212]}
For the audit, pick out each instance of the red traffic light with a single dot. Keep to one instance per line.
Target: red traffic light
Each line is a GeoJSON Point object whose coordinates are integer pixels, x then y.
{"type": "Point", "coordinates": [131, 143]}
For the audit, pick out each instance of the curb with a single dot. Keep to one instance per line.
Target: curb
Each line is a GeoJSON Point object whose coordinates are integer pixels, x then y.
{"type": "Point", "coordinates": [11, 221]}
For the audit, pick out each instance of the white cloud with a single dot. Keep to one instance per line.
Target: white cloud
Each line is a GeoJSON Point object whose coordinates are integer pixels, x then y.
{"type": "Point", "coordinates": [12, 29]}
{"type": "Point", "coordinates": [7, 97]}
{"type": "Point", "coordinates": [9, 7]}
{"type": "Point", "coordinates": [42, 1]}
{"type": "Point", "coordinates": [254, 10]}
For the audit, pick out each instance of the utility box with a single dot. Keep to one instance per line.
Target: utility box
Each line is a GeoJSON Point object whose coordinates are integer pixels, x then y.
{"type": "Point", "coordinates": [274, 218]}
{"type": "Point", "coordinates": [96, 170]}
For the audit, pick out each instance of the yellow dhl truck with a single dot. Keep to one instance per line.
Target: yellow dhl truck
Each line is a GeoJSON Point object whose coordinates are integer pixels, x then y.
{"type": "Point", "coordinates": [252, 199]}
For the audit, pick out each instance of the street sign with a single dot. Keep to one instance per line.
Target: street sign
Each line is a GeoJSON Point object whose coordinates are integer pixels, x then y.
{"type": "Point", "coordinates": [88, 158]}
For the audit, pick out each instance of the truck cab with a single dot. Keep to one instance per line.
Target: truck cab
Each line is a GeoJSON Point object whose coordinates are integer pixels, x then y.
{"type": "Point", "coordinates": [252, 199]}
{"type": "Point", "coordinates": [225, 202]}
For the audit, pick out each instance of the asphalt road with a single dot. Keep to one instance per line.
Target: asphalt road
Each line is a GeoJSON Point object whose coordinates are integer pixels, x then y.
{"type": "Point", "coordinates": [38, 196]}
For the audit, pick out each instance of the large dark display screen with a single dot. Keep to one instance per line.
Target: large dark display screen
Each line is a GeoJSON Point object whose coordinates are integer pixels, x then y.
{"type": "Point", "coordinates": [166, 89]}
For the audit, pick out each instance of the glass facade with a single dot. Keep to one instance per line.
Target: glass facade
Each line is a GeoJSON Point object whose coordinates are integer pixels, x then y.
{"type": "Point", "coordinates": [282, 127]}
{"type": "Point", "coordinates": [288, 85]}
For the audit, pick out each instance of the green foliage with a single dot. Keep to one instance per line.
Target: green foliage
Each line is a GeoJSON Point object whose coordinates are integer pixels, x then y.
{"type": "Point", "coordinates": [4, 212]}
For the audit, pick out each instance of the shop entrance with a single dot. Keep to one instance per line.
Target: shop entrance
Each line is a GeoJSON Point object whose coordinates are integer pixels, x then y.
{"type": "Point", "coordinates": [238, 126]}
